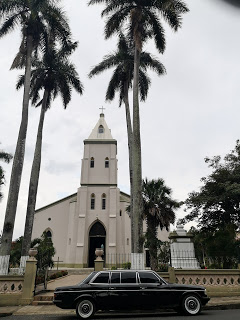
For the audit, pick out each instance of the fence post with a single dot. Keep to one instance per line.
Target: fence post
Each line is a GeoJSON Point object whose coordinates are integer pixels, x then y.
{"type": "Point", "coordinates": [172, 276]}
{"type": "Point", "coordinates": [29, 281]}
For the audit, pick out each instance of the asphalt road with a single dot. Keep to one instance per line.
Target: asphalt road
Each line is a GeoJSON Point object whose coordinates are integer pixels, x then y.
{"type": "Point", "coordinates": [233, 314]}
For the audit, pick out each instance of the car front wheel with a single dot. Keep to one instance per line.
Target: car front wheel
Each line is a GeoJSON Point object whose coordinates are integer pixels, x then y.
{"type": "Point", "coordinates": [85, 309]}
{"type": "Point", "coordinates": [191, 305]}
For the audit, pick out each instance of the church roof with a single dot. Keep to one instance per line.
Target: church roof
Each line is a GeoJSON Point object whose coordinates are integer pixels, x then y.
{"type": "Point", "coordinates": [101, 132]}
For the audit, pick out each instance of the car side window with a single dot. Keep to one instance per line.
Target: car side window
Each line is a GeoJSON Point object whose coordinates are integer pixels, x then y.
{"type": "Point", "coordinates": [128, 277]}
{"type": "Point", "coordinates": [148, 277]}
{"type": "Point", "coordinates": [103, 277]}
{"type": "Point", "coordinates": [115, 277]}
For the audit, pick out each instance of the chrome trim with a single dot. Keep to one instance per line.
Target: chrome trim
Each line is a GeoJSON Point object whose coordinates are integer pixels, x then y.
{"type": "Point", "coordinates": [131, 290]}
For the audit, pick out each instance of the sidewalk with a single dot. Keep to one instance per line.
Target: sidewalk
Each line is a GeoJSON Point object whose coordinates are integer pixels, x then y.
{"type": "Point", "coordinates": [214, 303]}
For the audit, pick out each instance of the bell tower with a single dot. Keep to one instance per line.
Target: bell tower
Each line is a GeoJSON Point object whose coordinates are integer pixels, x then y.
{"type": "Point", "coordinates": [98, 198]}
{"type": "Point", "coordinates": [99, 164]}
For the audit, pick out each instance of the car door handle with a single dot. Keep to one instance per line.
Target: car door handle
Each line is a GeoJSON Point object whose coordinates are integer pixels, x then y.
{"type": "Point", "coordinates": [112, 288]}
{"type": "Point", "coordinates": [143, 288]}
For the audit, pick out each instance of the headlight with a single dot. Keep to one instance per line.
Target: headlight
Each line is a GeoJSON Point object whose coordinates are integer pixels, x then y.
{"type": "Point", "coordinates": [205, 291]}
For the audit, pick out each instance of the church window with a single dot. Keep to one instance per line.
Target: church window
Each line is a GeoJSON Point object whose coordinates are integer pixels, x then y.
{"type": "Point", "coordinates": [120, 213]}
{"type": "Point", "coordinates": [103, 201]}
{"type": "Point", "coordinates": [100, 129]}
{"type": "Point", "coordinates": [49, 234]}
{"type": "Point", "coordinates": [92, 163]}
{"type": "Point", "coordinates": [106, 163]}
{"type": "Point", "coordinates": [127, 241]}
{"type": "Point", "coordinates": [92, 201]}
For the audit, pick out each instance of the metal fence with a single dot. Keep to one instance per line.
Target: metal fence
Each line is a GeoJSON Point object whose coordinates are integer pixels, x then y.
{"type": "Point", "coordinates": [187, 259]}
{"type": "Point", "coordinates": [121, 260]}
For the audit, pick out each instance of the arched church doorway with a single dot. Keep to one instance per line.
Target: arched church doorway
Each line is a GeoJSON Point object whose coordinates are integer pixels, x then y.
{"type": "Point", "coordinates": [97, 237]}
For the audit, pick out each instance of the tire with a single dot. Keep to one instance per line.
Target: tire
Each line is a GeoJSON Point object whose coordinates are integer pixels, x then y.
{"type": "Point", "coordinates": [85, 308]}
{"type": "Point", "coordinates": [191, 305]}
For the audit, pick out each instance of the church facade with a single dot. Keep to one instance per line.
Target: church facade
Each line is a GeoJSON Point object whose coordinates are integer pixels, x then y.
{"type": "Point", "coordinates": [95, 216]}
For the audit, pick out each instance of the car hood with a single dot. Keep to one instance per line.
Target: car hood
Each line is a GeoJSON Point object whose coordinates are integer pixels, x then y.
{"type": "Point", "coordinates": [185, 286]}
{"type": "Point", "coordinates": [68, 288]}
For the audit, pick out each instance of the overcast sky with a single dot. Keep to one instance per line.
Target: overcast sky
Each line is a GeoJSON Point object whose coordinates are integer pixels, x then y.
{"type": "Point", "coordinates": [190, 113]}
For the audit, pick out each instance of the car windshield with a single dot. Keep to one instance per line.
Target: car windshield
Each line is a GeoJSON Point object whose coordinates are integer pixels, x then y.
{"type": "Point", "coordinates": [86, 280]}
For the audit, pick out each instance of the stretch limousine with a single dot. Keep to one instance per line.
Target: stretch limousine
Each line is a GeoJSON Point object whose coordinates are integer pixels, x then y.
{"type": "Point", "coordinates": [129, 290]}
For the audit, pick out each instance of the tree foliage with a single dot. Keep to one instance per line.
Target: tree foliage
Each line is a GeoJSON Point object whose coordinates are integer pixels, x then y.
{"type": "Point", "coordinates": [6, 157]}
{"type": "Point", "coordinates": [46, 251]}
{"type": "Point", "coordinates": [122, 60]}
{"type": "Point", "coordinates": [217, 204]}
{"type": "Point", "coordinates": [217, 249]}
{"type": "Point", "coordinates": [44, 256]}
{"type": "Point", "coordinates": [159, 211]}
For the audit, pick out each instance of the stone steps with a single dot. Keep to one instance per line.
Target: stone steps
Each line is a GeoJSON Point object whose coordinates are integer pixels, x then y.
{"type": "Point", "coordinates": [43, 300]}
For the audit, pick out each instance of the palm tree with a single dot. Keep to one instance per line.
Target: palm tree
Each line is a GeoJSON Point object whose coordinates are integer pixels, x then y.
{"type": "Point", "coordinates": [54, 74]}
{"type": "Point", "coordinates": [141, 19]}
{"type": "Point", "coordinates": [6, 157]}
{"type": "Point", "coordinates": [122, 60]}
{"type": "Point", "coordinates": [159, 211]}
{"type": "Point", "coordinates": [34, 18]}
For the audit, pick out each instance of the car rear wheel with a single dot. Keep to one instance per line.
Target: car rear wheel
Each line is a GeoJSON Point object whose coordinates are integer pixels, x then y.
{"type": "Point", "coordinates": [85, 309]}
{"type": "Point", "coordinates": [191, 305]}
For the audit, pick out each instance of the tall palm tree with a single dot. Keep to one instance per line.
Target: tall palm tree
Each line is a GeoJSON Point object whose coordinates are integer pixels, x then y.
{"type": "Point", "coordinates": [33, 17]}
{"type": "Point", "coordinates": [55, 75]}
{"type": "Point", "coordinates": [141, 19]}
{"type": "Point", "coordinates": [159, 211]}
{"type": "Point", "coordinates": [122, 60]}
{"type": "Point", "coordinates": [6, 157]}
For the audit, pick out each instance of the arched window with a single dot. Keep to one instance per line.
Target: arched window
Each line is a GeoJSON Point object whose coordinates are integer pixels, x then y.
{"type": "Point", "coordinates": [92, 163]}
{"type": "Point", "coordinates": [48, 234]}
{"type": "Point", "coordinates": [103, 201]}
{"type": "Point", "coordinates": [106, 162]}
{"type": "Point", "coordinates": [92, 201]}
{"type": "Point", "coordinates": [100, 129]}
{"type": "Point", "coordinates": [120, 213]}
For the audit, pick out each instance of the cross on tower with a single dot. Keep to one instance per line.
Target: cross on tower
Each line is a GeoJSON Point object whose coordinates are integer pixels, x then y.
{"type": "Point", "coordinates": [102, 109]}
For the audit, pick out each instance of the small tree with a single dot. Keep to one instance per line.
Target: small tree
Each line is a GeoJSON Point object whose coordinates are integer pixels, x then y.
{"type": "Point", "coordinates": [159, 211]}
{"type": "Point", "coordinates": [46, 251]}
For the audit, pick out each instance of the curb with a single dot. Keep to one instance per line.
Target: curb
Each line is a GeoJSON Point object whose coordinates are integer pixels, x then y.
{"type": "Point", "coordinates": [213, 307]}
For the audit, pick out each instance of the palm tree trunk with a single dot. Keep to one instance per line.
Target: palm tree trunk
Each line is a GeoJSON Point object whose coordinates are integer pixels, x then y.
{"type": "Point", "coordinates": [136, 163]}
{"type": "Point", "coordinates": [33, 186]}
{"type": "Point", "coordinates": [152, 241]}
{"type": "Point", "coordinates": [17, 166]}
{"type": "Point", "coordinates": [129, 131]}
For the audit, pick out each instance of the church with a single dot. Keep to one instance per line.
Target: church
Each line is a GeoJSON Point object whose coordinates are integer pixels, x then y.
{"type": "Point", "coordinates": [96, 215]}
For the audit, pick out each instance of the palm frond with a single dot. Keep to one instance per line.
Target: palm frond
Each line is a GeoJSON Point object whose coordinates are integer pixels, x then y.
{"type": "Point", "coordinates": [6, 157]}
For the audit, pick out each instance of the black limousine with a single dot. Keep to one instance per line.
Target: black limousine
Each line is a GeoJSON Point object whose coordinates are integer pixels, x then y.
{"type": "Point", "coordinates": [126, 289]}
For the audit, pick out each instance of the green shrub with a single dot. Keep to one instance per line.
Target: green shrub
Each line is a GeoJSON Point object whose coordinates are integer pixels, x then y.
{"type": "Point", "coordinates": [126, 265]}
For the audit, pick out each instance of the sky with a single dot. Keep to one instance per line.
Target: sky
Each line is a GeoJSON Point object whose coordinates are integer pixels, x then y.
{"type": "Point", "coordinates": [192, 112]}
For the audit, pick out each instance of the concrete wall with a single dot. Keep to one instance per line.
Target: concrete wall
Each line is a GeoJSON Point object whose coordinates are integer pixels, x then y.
{"type": "Point", "coordinates": [218, 282]}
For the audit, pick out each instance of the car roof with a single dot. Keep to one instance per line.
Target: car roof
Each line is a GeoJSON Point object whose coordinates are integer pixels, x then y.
{"type": "Point", "coordinates": [128, 270]}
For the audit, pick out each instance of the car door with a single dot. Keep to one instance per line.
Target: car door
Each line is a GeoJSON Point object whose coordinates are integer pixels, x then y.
{"type": "Point", "coordinates": [100, 289]}
{"type": "Point", "coordinates": [154, 293]}
{"type": "Point", "coordinates": [124, 290]}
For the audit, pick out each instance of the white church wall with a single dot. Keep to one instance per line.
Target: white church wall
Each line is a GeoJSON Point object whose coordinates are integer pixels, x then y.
{"type": "Point", "coordinates": [99, 174]}
{"type": "Point", "coordinates": [54, 218]}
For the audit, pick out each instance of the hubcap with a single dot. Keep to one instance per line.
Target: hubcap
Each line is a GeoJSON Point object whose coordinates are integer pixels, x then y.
{"type": "Point", "coordinates": [192, 305]}
{"type": "Point", "coordinates": [85, 309]}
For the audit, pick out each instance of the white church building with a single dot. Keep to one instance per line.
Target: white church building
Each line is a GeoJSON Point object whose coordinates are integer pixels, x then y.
{"type": "Point", "coordinates": [96, 214]}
